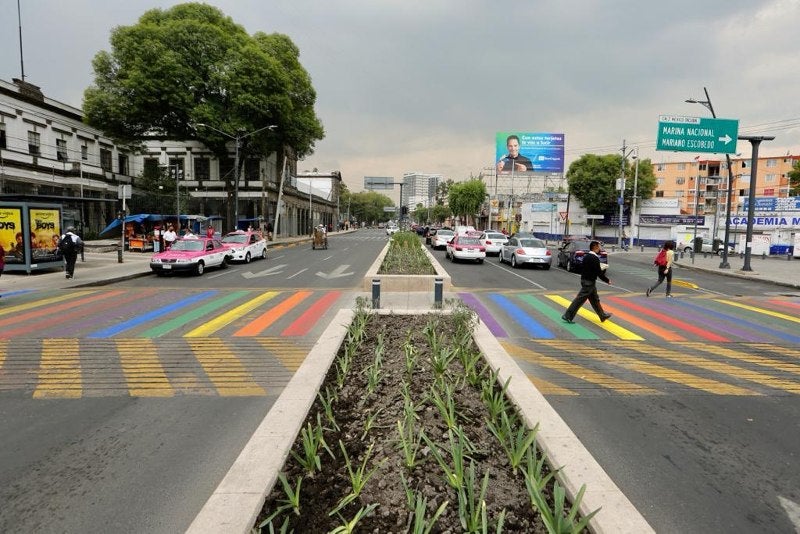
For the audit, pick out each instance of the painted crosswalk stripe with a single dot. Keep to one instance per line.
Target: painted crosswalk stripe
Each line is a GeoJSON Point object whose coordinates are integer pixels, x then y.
{"type": "Point", "coordinates": [738, 321]}
{"type": "Point", "coordinates": [762, 311]}
{"type": "Point", "coordinates": [291, 356]}
{"type": "Point", "coordinates": [59, 370]}
{"type": "Point", "coordinates": [302, 325]}
{"type": "Point", "coordinates": [263, 321]}
{"type": "Point", "coordinates": [224, 369]}
{"type": "Point", "coordinates": [143, 370]}
{"type": "Point", "coordinates": [576, 330]}
{"type": "Point", "coordinates": [532, 328]}
{"type": "Point", "coordinates": [192, 315]}
{"type": "Point", "coordinates": [666, 318]}
{"type": "Point", "coordinates": [621, 333]}
{"type": "Point", "coordinates": [228, 317]}
{"type": "Point", "coordinates": [43, 302]}
{"type": "Point", "coordinates": [577, 371]}
{"type": "Point", "coordinates": [488, 319]}
{"type": "Point", "coordinates": [651, 369]}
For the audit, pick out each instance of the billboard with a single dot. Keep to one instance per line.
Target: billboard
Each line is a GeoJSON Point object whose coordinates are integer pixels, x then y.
{"type": "Point", "coordinates": [378, 183]}
{"type": "Point", "coordinates": [11, 236]}
{"type": "Point", "coordinates": [45, 228]}
{"type": "Point", "coordinates": [529, 153]}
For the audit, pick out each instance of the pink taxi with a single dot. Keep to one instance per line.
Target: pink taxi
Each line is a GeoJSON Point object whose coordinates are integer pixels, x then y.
{"type": "Point", "coordinates": [193, 254]}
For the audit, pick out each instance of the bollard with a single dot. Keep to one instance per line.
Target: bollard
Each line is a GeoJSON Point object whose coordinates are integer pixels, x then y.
{"type": "Point", "coordinates": [376, 293]}
{"type": "Point", "coordinates": [613, 248]}
{"type": "Point", "coordinates": [789, 255]}
{"type": "Point", "coordinates": [438, 285]}
{"type": "Point", "coordinates": [681, 255]}
{"type": "Point", "coordinates": [705, 254]}
{"type": "Point", "coordinates": [763, 255]}
{"type": "Point", "coordinates": [642, 248]}
{"type": "Point", "coordinates": [119, 255]}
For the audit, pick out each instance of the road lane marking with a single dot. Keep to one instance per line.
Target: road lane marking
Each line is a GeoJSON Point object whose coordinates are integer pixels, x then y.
{"type": "Point", "coordinates": [302, 325]}
{"type": "Point", "coordinates": [488, 319]}
{"type": "Point", "coordinates": [648, 368]}
{"type": "Point", "coordinates": [576, 330]}
{"type": "Point", "coordinates": [290, 356]}
{"type": "Point", "coordinates": [263, 321]}
{"type": "Point", "coordinates": [223, 368]}
{"type": "Point", "coordinates": [142, 367]}
{"type": "Point", "coordinates": [533, 328]}
{"type": "Point", "coordinates": [510, 271]}
{"type": "Point", "coordinates": [778, 349]}
{"type": "Point", "coordinates": [621, 333]}
{"type": "Point", "coordinates": [737, 320]}
{"type": "Point", "coordinates": [667, 319]}
{"type": "Point", "coordinates": [59, 370]}
{"type": "Point", "coordinates": [191, 315]}
{"type": "Point", "coordinates": [548, 388]}
{"type": "Point", "coordinates": [297, 273]}
{"type": "Point", "coordinates": [577, 371]}
{"type": "Point", "coordinates": [223, 320]}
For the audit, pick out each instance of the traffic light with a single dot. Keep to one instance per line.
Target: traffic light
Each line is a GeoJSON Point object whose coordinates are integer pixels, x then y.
{"type": "Point", "coordinates": [404, 210]}
{"type": "Point", "coordinates": [518, 217]}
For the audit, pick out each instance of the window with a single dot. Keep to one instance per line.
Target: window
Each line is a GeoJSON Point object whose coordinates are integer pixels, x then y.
{"type": "Point", "coordinates": [680, 180]}
{"type": "Point", "coordinates": [151, 166]}
{"type": "Point", "coordinates": [679, 193]}
{"type": "Point", "coordinates": [202, 168]}
{"type": "Point", "coordinates": [769, 178]}
{"type": "Point", "coordinates": [659, 182]}
{"type": "Point", "coordinates": [660, 167]}
{"type": "Point", "coordinates": [3, 135]}
{"type": "Point", "coordinates": [251, 170]}
{"type": "Point", "coordinates": [772, 163]}
{"type": "Point", "coordinates": [84, 151]}
{"type": "Point", "coordinates": [659, 194]}
{"type": "Point", "coordinates": [61, 150]}
{"type": "Point", "coordinates": [105, 159]}
{"type": "Point", "coordinates": [769, 192]}
{"type": "Point", "coordinates": [34, 143]}
{"type": "Point", "coordinates": [226, 171]}
{"type": "Point", "coordinates": [702, 167]}
{"type": "Point", "coordinates": [122, 161]}
{"type": "Point", "coordinates": [681, 166]}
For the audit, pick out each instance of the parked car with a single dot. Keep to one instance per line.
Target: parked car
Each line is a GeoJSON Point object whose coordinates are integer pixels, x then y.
{"type": "Point", "coordinates": [571, 254]}
{"type": "Point", "coordinates": [493, 242]}
{"type": "Point", "coordinates": [441, 238]}
{"type": "Point", "coordinates": [391, 229]}
{"type": "Point", "coordinates": [192, 254]}
{"type": "Point", "coordinates": [245, 245]}
{"type": "Point", "coordinates": [524, 250]}
{"type": "Point", "coordinates": [464, 247]}
{"type": "Point", "coordinates": [429, 233]}
{"type": "Point", "coordinates": [707, 246]}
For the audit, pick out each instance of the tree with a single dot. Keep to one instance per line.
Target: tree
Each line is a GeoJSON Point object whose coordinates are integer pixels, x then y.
{"type": "Point", "coordinates": [592, 180]}
{"type": "Point", "coordinates": [442, 189]}
{"type": "Point", "coordinates": [466, 198]}
{"type": "Point", "coordinates": [440, 213]}
{"type": "Point", "coordinates": [794, 180]}
{"type": "Point", "coordinates": [191, 64]}
{"type": "Point", "coordinates": [367, 206]}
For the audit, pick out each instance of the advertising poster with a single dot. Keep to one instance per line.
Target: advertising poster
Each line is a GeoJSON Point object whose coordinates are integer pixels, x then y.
{"type": "Point", "coordinates": [45, 232]}
{"type": "Point", "coordinates": [11, 236]}
{"type": "Point", "coordinates": [529, 153]}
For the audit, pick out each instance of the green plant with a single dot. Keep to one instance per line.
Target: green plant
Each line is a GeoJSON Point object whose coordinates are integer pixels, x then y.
{"type": "Point", "coordinates": [350, 526]}
{"type": "Point", "coordinates": [410, 442]}
{"type": "Point", "coordinates": [446, 404]}
{"type": "Point", "coordinates": [453, 474]}
{"type": "Point", "coordinates": [421, 524]}
{"type": "Point", "coordinates": [515, 444]}
{"type": "Point", "coordinates": [406, 256]}
{"type": "Point", "coordinates": [369, 423]}
{"type": "Point", "coordinates": [327, 406]}
{"type": "Point", "coordinates": [312, 440]}
{"type": "Point", "coordinates": [358, 477]}
{"type": "Point", "coordinates": [291, 502]}
{"type": "Point", "coordinates": [410, 352]}
{"type": "Point", "coordinates": [472, 506]}
{"type": "Point", "coordinates": [493, 397]}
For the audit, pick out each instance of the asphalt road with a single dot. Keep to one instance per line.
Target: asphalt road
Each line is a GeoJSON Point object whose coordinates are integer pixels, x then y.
{"type": "Point", "coordinates": [122, 407]}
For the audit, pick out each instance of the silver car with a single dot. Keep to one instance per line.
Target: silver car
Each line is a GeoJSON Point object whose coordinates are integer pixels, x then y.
{"type": "Point", "coordinates": [441, 238]}
{"type": "Point", "coordinates": [520, 251]}
{"type": "Point", "coordinates": [493, 242]}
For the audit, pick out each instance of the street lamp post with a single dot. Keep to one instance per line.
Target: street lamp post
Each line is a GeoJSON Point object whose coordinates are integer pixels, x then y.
{"type": "Point", "coordinates": [755, 141]}
{"type": "Point", "coordinates": [238, 140]}
{"type": "Point", "coordinates": [724, 263]}
{"type": "Point", "coordinates": [621, 199]}
{"type": "Point", "coordinates": [635, 189]}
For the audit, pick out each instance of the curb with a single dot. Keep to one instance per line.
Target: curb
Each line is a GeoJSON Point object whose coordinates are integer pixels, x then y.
{"type": "Point", "coordinates": [743, 275]}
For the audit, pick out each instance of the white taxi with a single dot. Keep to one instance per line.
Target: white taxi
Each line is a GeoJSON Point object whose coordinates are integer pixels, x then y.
{"type": "Point", "coordinates": [245, 245]}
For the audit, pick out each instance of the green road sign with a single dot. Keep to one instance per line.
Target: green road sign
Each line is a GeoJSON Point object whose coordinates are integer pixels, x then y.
{"type": "Point", "coordinates": [697, 134]}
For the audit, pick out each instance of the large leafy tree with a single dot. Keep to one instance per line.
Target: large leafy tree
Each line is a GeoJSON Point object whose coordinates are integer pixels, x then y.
{"type": "Point", "coordinates": [466, 198]}
{"type": "Point", "coordinates": [593, 179]}
{"type": "Point", "coordinates": [367, 206]}
{"type": "Point", "coordinates": [191, 65]}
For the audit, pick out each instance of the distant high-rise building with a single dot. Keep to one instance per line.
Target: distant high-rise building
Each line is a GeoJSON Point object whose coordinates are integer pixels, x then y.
{"type": "Point", "coordinates": [419, 188]}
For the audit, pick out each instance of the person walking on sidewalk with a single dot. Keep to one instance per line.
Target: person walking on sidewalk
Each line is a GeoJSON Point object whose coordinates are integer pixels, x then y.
{"type": "Point", "coordinates": [664, 263]}
{"type": "Point", "coordinates": [592, 270]}
{"type": "Point", "coordinates": [69, 245]}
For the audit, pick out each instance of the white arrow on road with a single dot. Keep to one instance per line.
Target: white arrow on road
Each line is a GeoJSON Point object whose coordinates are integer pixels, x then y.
{"type": "Point", "coordinates": [266, 272]}
{"type": "Point", "coordinates": [727, 139]}
{"type": "Point", "coordinates": [336, 273]}
{"type": "Point", "coordinates": [792, 510]}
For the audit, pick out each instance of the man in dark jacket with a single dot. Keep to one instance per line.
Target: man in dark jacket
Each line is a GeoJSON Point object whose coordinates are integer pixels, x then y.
{"type": "Point", "coordinates": [591, 271]}
{"type": "Point", "coordinates": [69, 245]}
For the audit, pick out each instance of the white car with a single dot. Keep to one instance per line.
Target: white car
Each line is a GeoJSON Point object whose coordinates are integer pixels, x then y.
{"type": "Point", "coordinates": [391, 229]}
{"type": "Point", "coordinates": [493, 242]}
{"type": "Point", "coordinates": [441, 238]}
{"type": "Point", "coordinates": [244, 246]}
{"type": "Point", "coordinates": [464, 247]}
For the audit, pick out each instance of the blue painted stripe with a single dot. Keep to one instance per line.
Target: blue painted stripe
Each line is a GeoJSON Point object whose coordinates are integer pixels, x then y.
{"type": "Point", "coordinates": [533, 328]}
{"type": "Point", "coordinates": [738, 320]}
{"type": "Point", "coordinates": [487, 318]}
{"type": "Point", "coordinates": [111, 331]}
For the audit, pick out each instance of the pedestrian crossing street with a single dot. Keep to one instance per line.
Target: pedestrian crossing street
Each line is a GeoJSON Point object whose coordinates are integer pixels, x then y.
{"type": "Point", "coordinates": [153, 343]}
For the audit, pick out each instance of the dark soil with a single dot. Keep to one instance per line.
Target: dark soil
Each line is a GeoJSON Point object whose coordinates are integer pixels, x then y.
{"type": "Point", "coordinates": [321, 493]}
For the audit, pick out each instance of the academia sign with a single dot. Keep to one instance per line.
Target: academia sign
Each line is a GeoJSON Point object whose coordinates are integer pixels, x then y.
{"type": "Point", "coordinates": [697, 134]}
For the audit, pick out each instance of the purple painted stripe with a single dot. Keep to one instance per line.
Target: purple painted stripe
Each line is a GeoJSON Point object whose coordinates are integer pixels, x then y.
{"type": "Point", "coordinates": [490, 322]}
{"type": "Point", "coordinates": [700, 318]}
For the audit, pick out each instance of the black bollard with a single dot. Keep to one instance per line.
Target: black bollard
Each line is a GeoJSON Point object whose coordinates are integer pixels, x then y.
{"type": "Point", "coordinates": [376, 293]}
{"type": "Point", "coordinates": [438, 286]}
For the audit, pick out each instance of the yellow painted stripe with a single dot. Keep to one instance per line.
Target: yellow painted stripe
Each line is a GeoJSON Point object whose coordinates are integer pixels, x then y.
{"type": "Point", "coordinates": [142, 367]}
{"type": "Point", "coordinates": [3, 351]}
{"type": "Point", "coordinates": [651, 369]}
{"type": "Point", "coordinates": [224, 369]}
{"type": "Point", "coordinates": [44, 302]}
{"type": "Point", "coordinates": [59, 370]}
{"type": "Point", "coordinates": [621, 333]}
{"type": "Point", "coordinates": [760, 310]}
{"type": "Point", "coordinates": [577, 371]}
{"type": "Point", "coordinates": [754, 376]}
{"type": "Point", "coordinates": [548, 388]}
{"type": "Point", "coordinates": [290, 357]}
{"type": "Point", "coordinates": [684, 283]}
{"type": "Point", "coordinates": [777, 349]}
{"type": "Point", "coordinates": [228, 317]}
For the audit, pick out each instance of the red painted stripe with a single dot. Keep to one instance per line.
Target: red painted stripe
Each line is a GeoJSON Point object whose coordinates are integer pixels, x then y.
{"type": "Point", "coordinates": [782, 304]}
{"type": "Point", "coordinates": [311, 316]}
{"type": "Point", "coordinates": [666, 319]}
{"type": "Point", "coordinates": [664, 333]}
{"type": "Point", "coordinates": [45, 316]}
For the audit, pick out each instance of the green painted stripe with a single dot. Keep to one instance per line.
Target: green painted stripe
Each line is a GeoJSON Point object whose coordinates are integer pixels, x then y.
{"type": "Point", "coordinates": [196, 313]}
{"type": "Point", "coordinates": [580, 332]}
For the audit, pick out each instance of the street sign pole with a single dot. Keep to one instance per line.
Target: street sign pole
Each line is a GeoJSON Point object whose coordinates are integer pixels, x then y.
{"type": "Point", "coordinates": [697, 134]}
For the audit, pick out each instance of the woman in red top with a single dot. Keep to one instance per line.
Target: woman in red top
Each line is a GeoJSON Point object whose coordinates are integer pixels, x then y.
{"type": "Point", "coordinates": [209, 231]}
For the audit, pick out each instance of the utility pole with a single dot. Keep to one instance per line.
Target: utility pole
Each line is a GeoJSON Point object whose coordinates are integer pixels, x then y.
{"type": "Point", "coordinates": [621, 199]}
{"type": "Point", "coordinates": [755, 142]}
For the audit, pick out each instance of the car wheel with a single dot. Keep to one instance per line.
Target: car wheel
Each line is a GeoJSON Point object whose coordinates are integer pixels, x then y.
{"type": "Point", "coordinates": [200, 268]}
{"type": "Point", "coordinates": [264, 254]}
{"type": "Point", "coordinates": [513, 261]}
{"type": "Point", "coordinates": [500, 257]}
{"type": "Point", "coordinates": [546, 267]}
{"type": "Point", "coordinates": [224, 264]}
{"type": "Point", "coordinates": [687, 250]}
{"type": "Point", "coordinates": [569, 266]}
{"type": "Point", "coordinates": [247, 258]}
{"type": "Point", "coordinates": [480, 261]}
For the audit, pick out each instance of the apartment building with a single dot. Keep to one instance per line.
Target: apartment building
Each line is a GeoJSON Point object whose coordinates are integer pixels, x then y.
{"type": "Point", "coordinates": [703, 182]}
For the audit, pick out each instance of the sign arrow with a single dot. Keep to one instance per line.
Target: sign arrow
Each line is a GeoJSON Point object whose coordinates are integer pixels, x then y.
{"type": "Point", "coordinates": [266, 272]}
{"type": "Point", "coordinates": [727, 139]}
{"type": "Point", "coordinates": [792, 510]}
{"type": "Point", "coordinates": [336, 273]}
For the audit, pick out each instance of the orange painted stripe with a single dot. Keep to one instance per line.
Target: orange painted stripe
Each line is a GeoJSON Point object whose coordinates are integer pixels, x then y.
{"type": "Point", "coordinates": [666, 319]}
{"type": "Point", "coordinates": [653, 328]}
{"type": "Point", "coordinates": [263, 321]}
{"type": "Point", "coordinates": [785, 303]}
{"type": "Point", "coordinates": [311, 316]}
{"type": "Point", "coordinates": [48, 311]}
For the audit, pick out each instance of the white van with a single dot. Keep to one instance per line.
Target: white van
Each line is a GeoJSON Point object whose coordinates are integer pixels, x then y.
{"type": "Point", "coordinates": [463, 230]}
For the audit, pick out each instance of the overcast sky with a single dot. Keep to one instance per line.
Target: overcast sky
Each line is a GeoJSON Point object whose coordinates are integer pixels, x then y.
{"type": "Point", "coordinates": [424, 85]}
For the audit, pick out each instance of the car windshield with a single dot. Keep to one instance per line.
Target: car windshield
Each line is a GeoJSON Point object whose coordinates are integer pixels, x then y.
{"type": "Point", "coordinates": [186, 244]}
{"type": "Point", "coordinates": [235, 238]}
{"type": "Point", "coordinates": [445, 233]}
{"type": "Point", "coordinates": [469, 241]}
{"type": "Point", "coordinates": [495, 236]}
{"type": "Point", "coordinates": [580, 245]}
{"type": "Point", "coordinates": [531, 243]}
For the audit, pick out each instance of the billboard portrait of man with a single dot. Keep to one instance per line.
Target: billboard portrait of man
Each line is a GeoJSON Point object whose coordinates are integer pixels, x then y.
{"type": "Point", "coordinates": [512, 160]}
{"type": "Point", "coordinates": [528, 153]}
